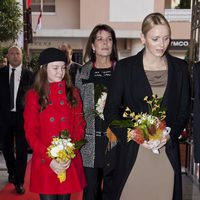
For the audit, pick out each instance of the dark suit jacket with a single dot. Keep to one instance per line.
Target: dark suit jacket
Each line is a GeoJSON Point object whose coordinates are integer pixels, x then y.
{"type": "Point", "coordinates": [73, 70]}
{"type": "Point", "coordinates": [25, 83]}
{"type": "Point", "coordinates": [196, 110]}
{"type": "Point", "coordinates": [129, 87]}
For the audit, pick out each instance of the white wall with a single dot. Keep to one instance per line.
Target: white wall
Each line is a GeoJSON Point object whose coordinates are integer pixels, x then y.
{"type": "Point", "coordinates": [129, 10]}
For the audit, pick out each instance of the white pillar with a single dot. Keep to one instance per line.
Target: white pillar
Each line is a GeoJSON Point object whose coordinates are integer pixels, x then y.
{"type": "Point", "coordinates": [20, 40]}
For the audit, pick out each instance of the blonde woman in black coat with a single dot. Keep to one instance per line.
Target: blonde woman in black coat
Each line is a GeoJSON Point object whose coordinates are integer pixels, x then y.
{"type": "Point", "coordinates": [141, 174]}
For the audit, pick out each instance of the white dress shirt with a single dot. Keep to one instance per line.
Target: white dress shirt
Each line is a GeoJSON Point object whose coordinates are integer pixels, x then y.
{"type": "Point", "coordinates": [18, 71]}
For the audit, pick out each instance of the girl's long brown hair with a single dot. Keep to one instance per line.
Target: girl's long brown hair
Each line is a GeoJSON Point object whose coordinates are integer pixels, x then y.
{"type": "Point", "coordinates": [41, 86]}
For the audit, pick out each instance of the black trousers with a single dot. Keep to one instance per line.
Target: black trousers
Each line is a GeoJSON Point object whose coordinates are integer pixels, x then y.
{"type": "Point", "coordinates": [99, 183]}
{"type": "Point", "coordinates": [54, 197]}
{"type": "Point", "coordinates": [15, 148]}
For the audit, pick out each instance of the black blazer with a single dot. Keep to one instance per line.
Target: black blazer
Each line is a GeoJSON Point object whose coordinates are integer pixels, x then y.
{"type": "Point", "coordinates": [25, 83]}
{"type": "Point", "coordinates": [196, 110]}
{"type": "Point", "coordinates": [129, 87]}
{"type": "Point", "coordinates": [73, 67]}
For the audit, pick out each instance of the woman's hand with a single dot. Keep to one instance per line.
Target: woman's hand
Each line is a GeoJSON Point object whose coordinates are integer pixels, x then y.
{"type": "Point", "coordinates": [164, 140]}
{"type": "Point", "coordinates": [146, 145]}
{"type": "Point", "coordinates": [59, 167]}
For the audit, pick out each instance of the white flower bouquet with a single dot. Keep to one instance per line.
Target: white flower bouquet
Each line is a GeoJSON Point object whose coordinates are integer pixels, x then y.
{"type": "Point", "coordinates": [100, 100]}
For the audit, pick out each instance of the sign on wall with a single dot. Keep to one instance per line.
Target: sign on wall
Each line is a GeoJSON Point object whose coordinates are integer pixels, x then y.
{"type": "Point", "coordinates": [179, 44]}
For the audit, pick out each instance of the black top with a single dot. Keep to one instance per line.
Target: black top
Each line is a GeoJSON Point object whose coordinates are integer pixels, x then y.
{"type": "Point", "coordinates": [101, 77]}
{"type": "Point", "coordinates": [73, 70]}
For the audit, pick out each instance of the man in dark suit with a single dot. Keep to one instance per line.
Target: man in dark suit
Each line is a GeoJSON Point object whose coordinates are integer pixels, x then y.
{"type": "Point", "coordinates": [14, 82]}
{"type": "Point", "coordinates": [72, 66]}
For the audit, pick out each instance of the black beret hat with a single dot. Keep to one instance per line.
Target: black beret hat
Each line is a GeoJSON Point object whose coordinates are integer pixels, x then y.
{"type": "Point", "coordinates": [51, 55]}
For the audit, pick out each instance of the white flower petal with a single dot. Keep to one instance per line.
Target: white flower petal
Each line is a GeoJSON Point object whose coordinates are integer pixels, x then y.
{"type": "Point", "coordinates": [54, 151]}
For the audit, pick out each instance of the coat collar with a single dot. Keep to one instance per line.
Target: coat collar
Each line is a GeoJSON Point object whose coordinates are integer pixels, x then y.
{"type": "Point", "coordinates": [174, 78]}
{"type": "Point", "coordinates": [85, 71]}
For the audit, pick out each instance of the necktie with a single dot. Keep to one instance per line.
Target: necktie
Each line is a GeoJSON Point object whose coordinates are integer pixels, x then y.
{"type": "Point", "coordinates": [12, 86]}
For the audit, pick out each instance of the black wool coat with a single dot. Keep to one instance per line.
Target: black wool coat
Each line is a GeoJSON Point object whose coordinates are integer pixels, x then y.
{"type": "Point", "coordinates": [196, 111]}
{"type": "Point", "coordinates": [129, 87]}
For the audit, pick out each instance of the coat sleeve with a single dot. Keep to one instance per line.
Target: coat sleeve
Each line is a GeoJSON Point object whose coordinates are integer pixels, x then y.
{"type": "Point", "coordinates": [79, 122]}
{"type": "Point", "coordinates": [184, 105]}
{"type": "Point", "coordinates": [32, 126]}
{"type": "Point", "coordinates": [114, 103]}
{"type": "Point", "coordinates": [196, 111]}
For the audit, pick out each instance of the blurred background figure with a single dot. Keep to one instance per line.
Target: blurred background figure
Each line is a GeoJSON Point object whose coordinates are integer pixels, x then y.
{"type": "Point", "coordinates": [3, 62]}
{"type": "Point", "coordinates": [196, 110]}
{"type": "Point", "coordinates": [72, 66]}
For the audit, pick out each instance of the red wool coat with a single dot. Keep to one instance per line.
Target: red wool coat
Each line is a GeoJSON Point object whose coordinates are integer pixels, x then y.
{"type": "Point", "coordinates": [39, 129]}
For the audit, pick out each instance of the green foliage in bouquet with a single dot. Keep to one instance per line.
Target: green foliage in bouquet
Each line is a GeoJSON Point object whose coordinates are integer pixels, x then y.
{"type": "Point", "coordinates": [131, 119]}
{"type": "Point", "coordinates": [64, 134]}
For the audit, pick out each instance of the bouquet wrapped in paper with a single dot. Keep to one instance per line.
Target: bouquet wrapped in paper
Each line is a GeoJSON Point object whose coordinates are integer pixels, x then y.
{"type": "Point", "coordinates": [63, 149]}
{"type": "Point", "coordinates": [146, 128]}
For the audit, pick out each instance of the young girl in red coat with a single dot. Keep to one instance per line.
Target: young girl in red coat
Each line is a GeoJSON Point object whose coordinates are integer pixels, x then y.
{"type": "Point", "coordinates": [53, 105]}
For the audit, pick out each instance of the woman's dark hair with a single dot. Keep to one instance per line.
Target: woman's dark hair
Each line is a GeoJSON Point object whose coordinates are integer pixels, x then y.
{"type": "Point", "coordinates": [89, 54]}
{"type": "Point", "coordinates": [41, 86]}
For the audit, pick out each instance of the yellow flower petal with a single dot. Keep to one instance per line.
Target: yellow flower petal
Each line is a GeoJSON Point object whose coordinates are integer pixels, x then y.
{"type": "Point", "coordinates": [127, 109]}
{"type": "Point", "coordinates": [125, 114]}
{"type": "Point", "coordinates": [62, 176]}
{"type": "Point", "coordinates": [145, 98]}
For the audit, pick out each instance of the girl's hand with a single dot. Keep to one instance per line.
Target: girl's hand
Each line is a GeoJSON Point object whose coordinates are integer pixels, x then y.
{"type": "Point", "coordinates": [65, 165]}
{"type": "Point", "coordinates": [59, 167]}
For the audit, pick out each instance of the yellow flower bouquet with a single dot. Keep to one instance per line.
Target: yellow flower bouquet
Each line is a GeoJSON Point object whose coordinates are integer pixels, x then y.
{"type": "Point", "coordinates": [63, 149]}
{"type": "Point", "coordinates": [146, 128]}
